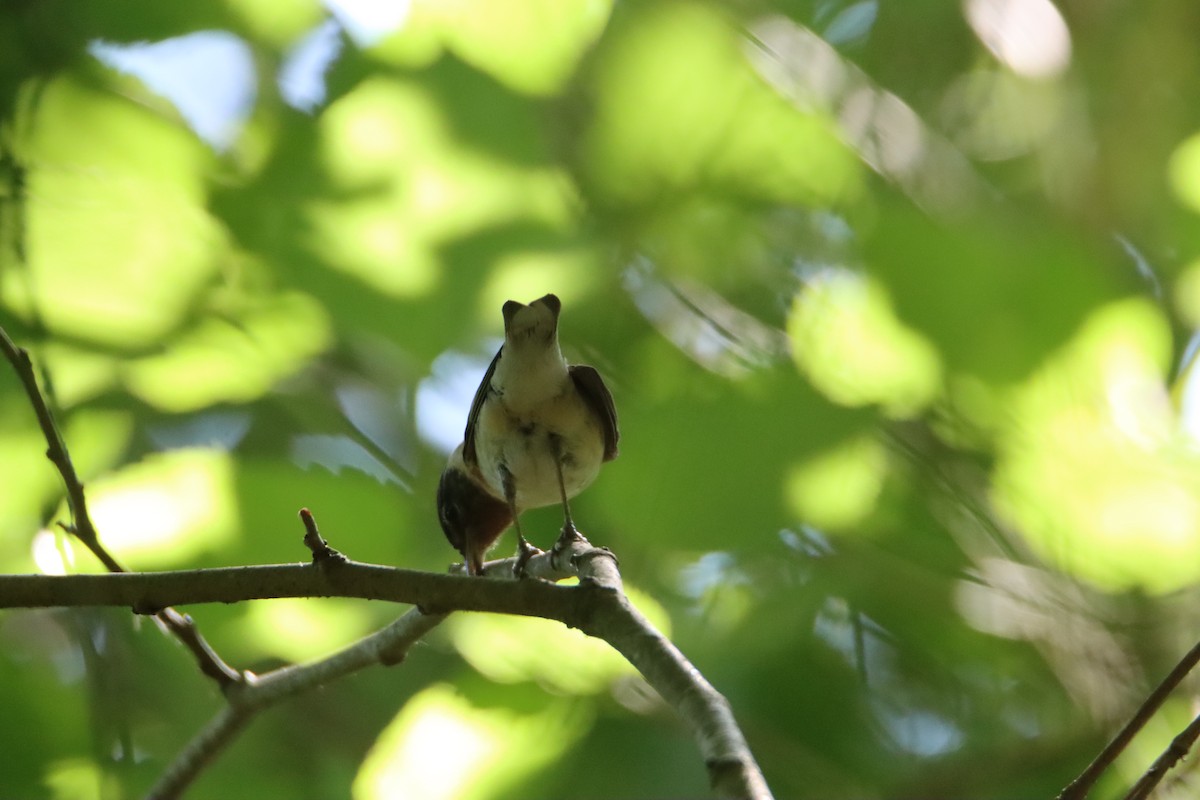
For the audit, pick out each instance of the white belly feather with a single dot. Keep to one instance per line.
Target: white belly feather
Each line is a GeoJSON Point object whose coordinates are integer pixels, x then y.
{"type": "Point", "coordinates": [520, 441]}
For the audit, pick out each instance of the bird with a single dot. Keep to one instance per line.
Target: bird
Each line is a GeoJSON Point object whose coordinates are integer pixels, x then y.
{"type": "Point", "coordinates": [538, 431]}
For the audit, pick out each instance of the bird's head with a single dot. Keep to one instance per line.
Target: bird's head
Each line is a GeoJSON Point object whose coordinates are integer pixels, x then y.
{"type": "Point", "coordinates": [471, 518]}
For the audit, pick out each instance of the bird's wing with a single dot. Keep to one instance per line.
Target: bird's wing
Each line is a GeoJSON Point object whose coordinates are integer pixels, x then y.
{"type": "Point", "coordinates": [476, 405]}
{"type": "Point", "coordinates": [591, 387]}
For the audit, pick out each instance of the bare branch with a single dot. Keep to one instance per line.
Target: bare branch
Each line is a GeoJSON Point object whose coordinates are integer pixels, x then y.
{"type": "Point", "coordinates": [81, 525]}
{"type": "Point", "coordinates": [597, 606]}
{"type": "Point", "coordinates": [732, 770]}
{"type": "Point", "coordinates": [83, 529]}
{"type": "Point", "coordinates": [1079, 788]}
{"type": "Point", "coordinates": [315, 542]}
{"type": "Point", "coordinates": [200, 752]}
{"type": "Point", "coordinates": [1176, 750]}
{"type": "Point", "coordinates": [258, 693]}
{"type": "Point", "coordinates": [141, 591]}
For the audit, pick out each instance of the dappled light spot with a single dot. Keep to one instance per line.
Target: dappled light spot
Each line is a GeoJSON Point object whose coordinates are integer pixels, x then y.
{"type": "Point", "coordinates": [412, 186]}
{"type": "Point", "coordinates": [276, 22]}
{"type": "Point", "coordinates": [1184, 172]}
{"type": "Point", "coordinates": [1029, 37]}
{"type": "Point", "coordinates": [1095, 469]}
{"type": "Point", "coordinates": [531, 46]}
{"type": "Point", "coordinates": [441, 746]}
{"type": "Point", "coordinates": [232, 361]}
{"type": "Point", "coordinates": [118, 237]}
{"type": "Point", "coordinates": [994, 115]}
{"type": "Point", "coordinates": [674, 91]}
{"type": "Point", "coordinates": [51, 553]}
{"type": "Point", "coordinates": [509, 649]}
{"type": "Point", "coordinates": [78, 778]}
{"type": "Point", "coordinates": [1186, 296]}
{"type": "Point", "coordinates": [366, 133]}
{"type": "Point", "coordinates": [837, 489]}
{"type": "Point", "coordinates": [98, 439]}
{"type": "Point", "coordinates": [847, 341]}
{"type": "Point", "coordinates": [166, 509]}
{"type": "Point", "coordinates": [526, 274]}
{"type": "Point", "coordinates": [300, 629]}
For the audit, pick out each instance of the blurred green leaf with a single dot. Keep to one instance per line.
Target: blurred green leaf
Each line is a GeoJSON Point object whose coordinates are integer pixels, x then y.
{"type": "Point", "coordinates": [996, 292]}
{"type": "Point", "coordinates": [901, 338]}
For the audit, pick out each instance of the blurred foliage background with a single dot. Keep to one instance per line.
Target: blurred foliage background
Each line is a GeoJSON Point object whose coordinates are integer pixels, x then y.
{"type": "Point", "coordinates": [896, 300]}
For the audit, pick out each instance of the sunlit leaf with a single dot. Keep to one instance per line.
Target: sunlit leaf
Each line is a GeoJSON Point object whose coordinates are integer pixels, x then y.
{"type": "Point", "coordinates": [678, 107]}
{"type": "Point", "coordinates": [299, 629]}
{"type": "Point", "coordinates": [441, 747]}
{"type": "Point", "coordinates": [1185, 172]}
{"type": "Point", "coordinates": [119, 240]}
{"type": "Point", "coordinates": [76, 779]}
{"type": "Point", "coordinates": [232, 360]}
{"type": "Point", "coordinates": [166, 509]}
{"type": "Point", "coordinates": [530, 45]}
{"type": "Point", "coordinates": [847, 341]}
{"type": "Point", "coordinates": [838, 489]}
{"type": "Point", "coordinates": [512, 649]}
{"type": "Point", "coordinates": [1093, 469]}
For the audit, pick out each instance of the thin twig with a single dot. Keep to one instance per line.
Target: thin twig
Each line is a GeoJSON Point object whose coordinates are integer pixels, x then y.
{"type": "Point", "coordinates": [313, 540]}
{"type": "Point", "coordinates": [201, 751]}
{"type": "Point", "coordinates": [83, 529]}
{"type": "Point", "coordinates": [1079, 788]}
{"type": "Point", "coordinates": [81, 522]}
{"type": "Point", "coordinates": [258, 693]}
{"type": "Point", "coordinates": [1177, 749]}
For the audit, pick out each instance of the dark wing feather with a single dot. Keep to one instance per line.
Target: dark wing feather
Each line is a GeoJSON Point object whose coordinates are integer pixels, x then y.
{"type": "Point", "coordinates": [473, 416]}
{"type": "Point", "coordinates": [591, 387]}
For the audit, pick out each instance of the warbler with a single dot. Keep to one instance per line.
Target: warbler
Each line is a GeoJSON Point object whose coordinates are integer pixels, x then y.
{"type": "Point", "coordinates": [537, 433]}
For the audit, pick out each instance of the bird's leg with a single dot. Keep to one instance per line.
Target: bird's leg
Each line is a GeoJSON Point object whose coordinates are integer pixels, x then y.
{"type": "Point", "coordinates": [525, 550]}
{"type": "Point", "coordinates": [569, 533]}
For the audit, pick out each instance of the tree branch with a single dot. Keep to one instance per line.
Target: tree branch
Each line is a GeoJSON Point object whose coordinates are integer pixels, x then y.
{"type": "Point", "coordinates": [597, 606]}
{"type": "Point", "coordinates": [1079, 788]}
{"type": "Point", "coordinates": [146, 592]}
{"type": "Point", "coordinates": [81, 522]}
{"type": "Point", "coordinates": [1176, 750]}
{"type": "Point", "coordinates": [256, 694]}
{"type": "Point", "coordinates": [180, 625]}
{"type": "Point", "coordinates": [732, 770]}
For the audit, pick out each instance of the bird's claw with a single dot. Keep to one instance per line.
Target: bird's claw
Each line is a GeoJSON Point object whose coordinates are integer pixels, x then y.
{"type": "Point", "coordinates": [569, 536]}
{"type": "Point", "coordinates": [525, 551]}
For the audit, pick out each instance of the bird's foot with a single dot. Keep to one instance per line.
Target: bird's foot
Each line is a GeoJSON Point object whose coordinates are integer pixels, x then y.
{"type": "Point", "coordinates": [525, 551]}
{"type": "Point", "coordinates": [569, 536]}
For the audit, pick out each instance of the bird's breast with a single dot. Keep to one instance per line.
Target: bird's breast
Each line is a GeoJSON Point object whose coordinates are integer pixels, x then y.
{"type": "Point", "coordinates": [523, 443]}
